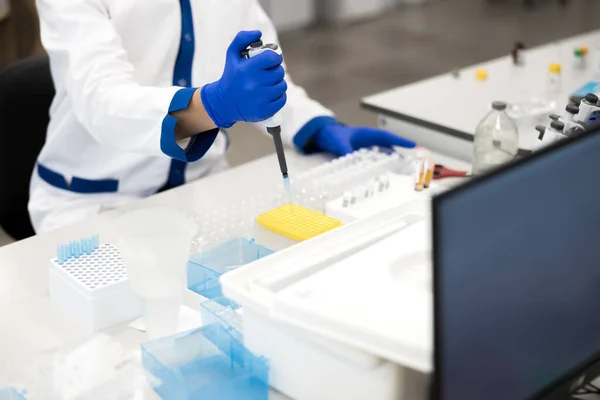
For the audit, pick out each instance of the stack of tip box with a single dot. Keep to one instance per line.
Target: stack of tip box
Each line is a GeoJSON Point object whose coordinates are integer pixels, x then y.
{"type": "Point", "coordinates": [296, 222]}
{"type": "Point", "coordinates": [94, 289]}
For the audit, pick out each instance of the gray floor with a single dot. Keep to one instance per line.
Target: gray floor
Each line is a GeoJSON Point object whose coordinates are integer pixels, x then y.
{"type": "Point", "coordinates": [339, 65]}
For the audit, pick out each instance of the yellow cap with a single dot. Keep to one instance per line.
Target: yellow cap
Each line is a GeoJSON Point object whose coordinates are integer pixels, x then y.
{"type": "Point", "coordinates": [554, 68]}
{"type": "Point", "coordinates": [585, 50]}
{"type": "Point", "coordinates": [481, 74]}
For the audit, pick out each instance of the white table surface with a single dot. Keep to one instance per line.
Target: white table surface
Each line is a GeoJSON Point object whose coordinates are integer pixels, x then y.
{"type": "Point", "coordinates": [455, 106]}
{"type": "Point", "coordinates": [29, 324]}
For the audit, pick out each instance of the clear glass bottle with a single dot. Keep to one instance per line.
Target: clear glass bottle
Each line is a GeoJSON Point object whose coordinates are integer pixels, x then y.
{"type": "Point", "coordinates": [496, 139]}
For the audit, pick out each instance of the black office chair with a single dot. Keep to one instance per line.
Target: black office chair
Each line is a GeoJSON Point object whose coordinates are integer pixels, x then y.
{"type": "Point", "coordinates": [26, 92]}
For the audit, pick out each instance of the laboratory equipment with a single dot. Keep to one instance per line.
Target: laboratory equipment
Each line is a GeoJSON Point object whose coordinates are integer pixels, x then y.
{"type": "Point", "coordinates": [579, 61]}
{"type": "Point", "coordinates": [572, 110]}
{"type": "Point", "coordinates": [205, 268]}
{"type": "Point", "coordinates": [225, 312]}
{"type": "Point", "coordinates": [11, 393]}
{"type": "Point", "coordinates": [331, 314]}
{"type": "Point", "coordinates": [441, 172]}
{"type": "Point", "coordinates": [579, 94]}
{"type": "Point", "coordinates": [401, 191]}
{"type": "Point", "coordinates": [496, 139]}
{"type": "Point", "coordinates": [316, 187]}
{"type": "Point", "coordinates": [95, 368]}
{"type": "Point", "coordinates": [207, 363]}
{"type": "Point", "coordinates": [272, 124]}
{"type": "Point", "coordinates": [553, 85]}
{"type": "Point", "coordinates": [513, 306]}
{"type": "Point", "coordinates": [588, 105]}
{"type": "Point", "coordinates": [550, 134]}
{"type": "Point", "coordinates": [76, 249]}
{"type": "Point", "coordinates": [94, 289]}
{"type": "Point", "coordinates": [296, 222]}
{"type": "Point", "coordinates": [420, 171]}
{"type": "Point", "coordinates": [155, 245]}
{"type": "Point", "coordinates": [569, 126]}
{"type": "Point", "coordinates": [429, 168]}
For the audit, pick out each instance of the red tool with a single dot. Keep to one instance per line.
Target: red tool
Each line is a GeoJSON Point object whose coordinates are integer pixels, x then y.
{"type": "Point", "coordinates": [442, 172]}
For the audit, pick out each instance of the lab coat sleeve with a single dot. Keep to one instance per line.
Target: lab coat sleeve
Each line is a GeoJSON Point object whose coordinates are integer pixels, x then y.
{"type": "Point", "coordinates": [87, 52]}
{"type": "Point", "coordinates": [303, 117]}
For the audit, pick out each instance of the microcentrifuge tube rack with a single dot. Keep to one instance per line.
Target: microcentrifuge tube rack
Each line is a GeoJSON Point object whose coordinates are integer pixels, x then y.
{"type": "Point", "coordinates": [312, 189]}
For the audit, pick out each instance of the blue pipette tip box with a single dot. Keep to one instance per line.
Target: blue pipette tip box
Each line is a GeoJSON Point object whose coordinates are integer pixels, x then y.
{"type": "Point", "coordinates": [205, 268]}
{"type": "Point", "coordinates": [11, 394]}
{"type": "Point", "coordinates": [206, 363]}
{"type": "Point", "coordinates": [225, 312]}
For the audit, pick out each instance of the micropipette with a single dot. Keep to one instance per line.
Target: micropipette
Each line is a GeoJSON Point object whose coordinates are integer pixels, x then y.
{"type": "Point", "coordinates": [272, 124]}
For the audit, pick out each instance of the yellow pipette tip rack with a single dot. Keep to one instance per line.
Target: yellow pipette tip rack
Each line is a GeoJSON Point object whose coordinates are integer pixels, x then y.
{"type": "Point", "coordinates": [296, 222]}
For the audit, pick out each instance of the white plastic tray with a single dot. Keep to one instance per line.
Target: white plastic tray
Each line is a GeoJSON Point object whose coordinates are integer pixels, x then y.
{"type": "Point", "coordinates": [356, 286]}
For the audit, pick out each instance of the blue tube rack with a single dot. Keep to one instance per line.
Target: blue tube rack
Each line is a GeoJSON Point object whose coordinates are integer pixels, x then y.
{"type": "Point", "coordinates": [8, 393]}
{"type": "Point", "coordinates": [205, 268]}
{"type": "Point", "coordinates": [206, 363]}
{"type": "Point", "coordinates": [224, 312]}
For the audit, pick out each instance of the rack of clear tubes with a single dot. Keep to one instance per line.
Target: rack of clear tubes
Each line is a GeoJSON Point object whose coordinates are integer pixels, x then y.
{"type": "Point", "coordinates": [312, 189]}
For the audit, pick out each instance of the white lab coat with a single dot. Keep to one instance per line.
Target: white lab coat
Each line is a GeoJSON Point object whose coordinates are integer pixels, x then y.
{"type": "Point", "coordinates": [119, 67]}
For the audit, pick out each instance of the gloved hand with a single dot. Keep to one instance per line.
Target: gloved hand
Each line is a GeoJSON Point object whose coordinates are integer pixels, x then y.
{"type": "Point", "coordinates": [340, 140]}
{"type": "Point", "coordinates": [250, 90]}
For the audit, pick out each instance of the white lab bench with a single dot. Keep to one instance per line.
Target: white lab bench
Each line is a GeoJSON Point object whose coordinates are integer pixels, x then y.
{"type": "Point", "coordinates": [30, 324]}
{"type": "Point", "coordinates": [441, 113]}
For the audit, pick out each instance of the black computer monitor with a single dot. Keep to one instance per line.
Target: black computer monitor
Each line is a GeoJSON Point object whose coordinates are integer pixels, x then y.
{"type": "Point", "coordinates": [517, 278]}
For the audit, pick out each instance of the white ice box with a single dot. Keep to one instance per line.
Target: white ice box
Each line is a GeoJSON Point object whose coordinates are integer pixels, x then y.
{"type": "Point", "coordinates": [346, 315]}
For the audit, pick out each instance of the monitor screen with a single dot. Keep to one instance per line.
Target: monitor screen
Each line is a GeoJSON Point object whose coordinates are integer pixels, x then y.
{"type": "Point", "coordinates": [517, 276]}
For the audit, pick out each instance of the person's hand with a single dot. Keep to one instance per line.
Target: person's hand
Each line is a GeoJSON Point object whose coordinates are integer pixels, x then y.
{"type": "Point", "coordinates": [250, 90]}
{"type": "Point", "coordinates": [340, 140]}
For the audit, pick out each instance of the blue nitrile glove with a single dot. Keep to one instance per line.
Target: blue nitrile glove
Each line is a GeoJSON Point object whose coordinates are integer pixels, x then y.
{"type": "Point", "coordinates": [340, 140]}
{"type": "Point", "coordinates": [250, 90]}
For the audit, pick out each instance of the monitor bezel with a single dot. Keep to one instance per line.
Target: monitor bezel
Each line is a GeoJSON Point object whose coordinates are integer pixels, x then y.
{"type": "Point", "coordinates": [588, 369]}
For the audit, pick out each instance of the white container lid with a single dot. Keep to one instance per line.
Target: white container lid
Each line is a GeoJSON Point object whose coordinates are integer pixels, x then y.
{"type": "Point", "coordinates": [365, 285]}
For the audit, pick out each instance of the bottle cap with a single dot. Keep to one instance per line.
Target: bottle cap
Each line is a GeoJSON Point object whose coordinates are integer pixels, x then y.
{"type": "Point", "coordinates": [585, 50]}
{"type": "Point", "coordinates": [481, 74]}
{"type": "Point", "coordinates": [554, 117]}
{"type": "Point", "coordinates": [256, 44]}
{"type": "Point", "coordinates": [575, 100]}
{"type": "Point", "coordinates": [559, 126]}
{"type": "Point", "coordinates": [542, 130]}
{"type": "Point", "coordinates": [572, 109]}
{"type": "Point", "coordinates": [591, 98]}
{"type": "Point", "coordinates": [578, 53]}
{"type": "Point", "coordinates": [554, 68]}
{"type": "Point", "coordinates": [499, 105]}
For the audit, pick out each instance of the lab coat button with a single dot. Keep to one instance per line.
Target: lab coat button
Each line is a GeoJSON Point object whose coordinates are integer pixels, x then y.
{"type": "Point", "coordinates": [188, 37]}
{"type": "Point", "coordinates": [182, 82]}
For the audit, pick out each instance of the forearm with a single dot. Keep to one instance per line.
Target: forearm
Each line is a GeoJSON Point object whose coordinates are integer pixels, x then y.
{"type": "Point", "coordinates": [192, 120]}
